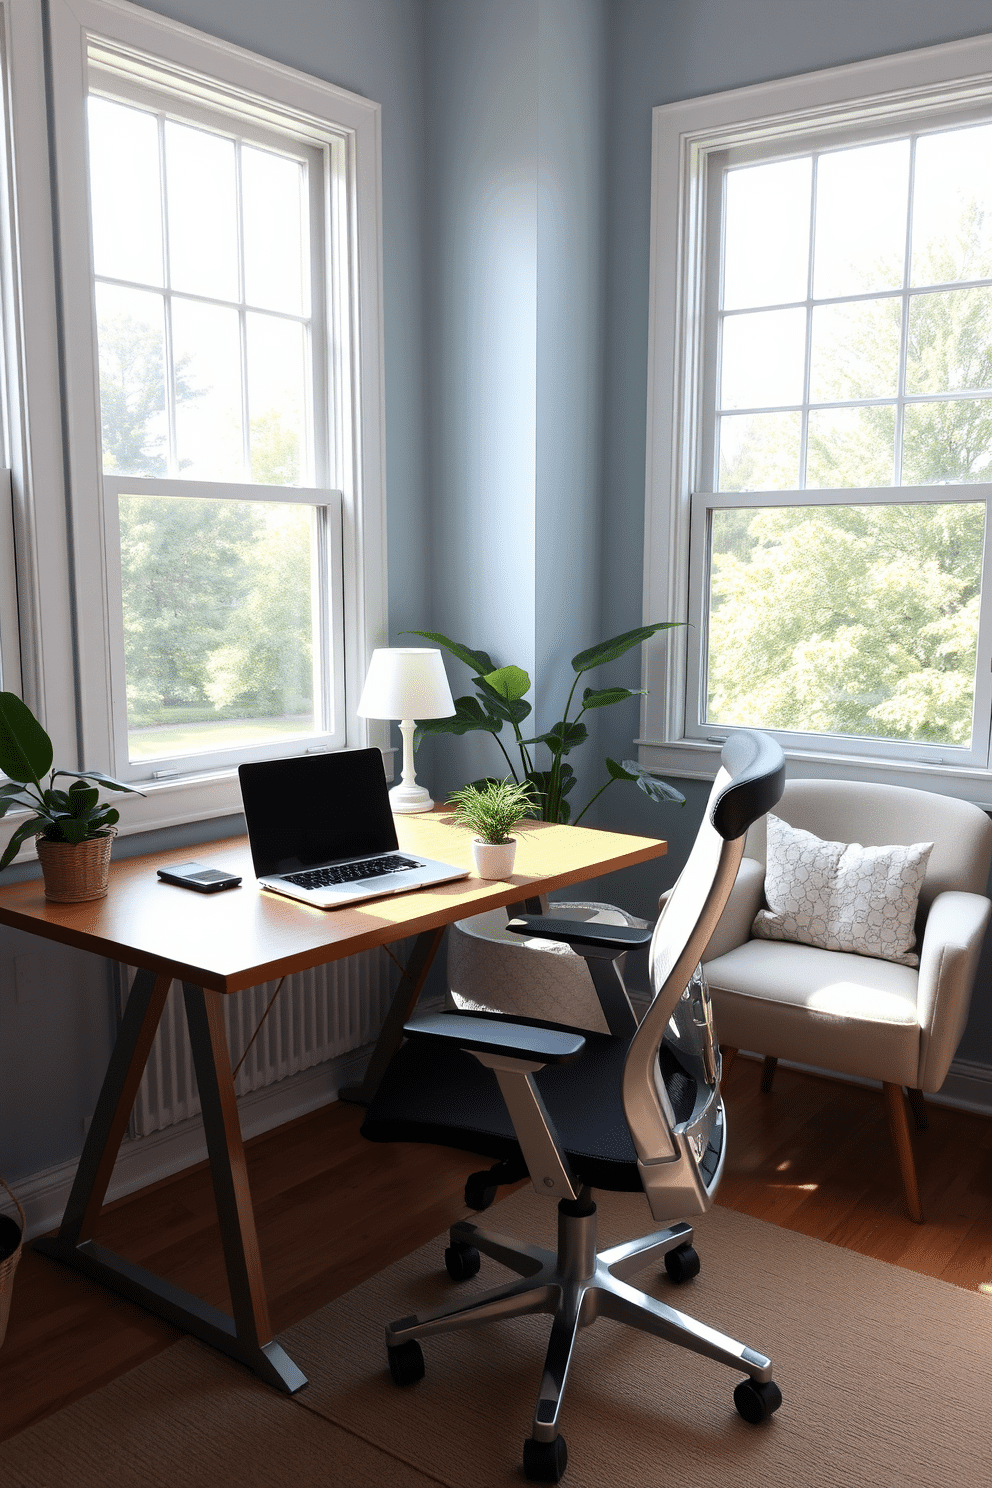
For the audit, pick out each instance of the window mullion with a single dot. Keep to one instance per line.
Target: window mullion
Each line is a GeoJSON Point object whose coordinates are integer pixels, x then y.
{"type": "Point", "coordinates": [168, 349]}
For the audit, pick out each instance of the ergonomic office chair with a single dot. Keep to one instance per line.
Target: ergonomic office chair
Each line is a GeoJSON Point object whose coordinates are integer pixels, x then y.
{"type": "Point", "coordinates": [636, 1109]}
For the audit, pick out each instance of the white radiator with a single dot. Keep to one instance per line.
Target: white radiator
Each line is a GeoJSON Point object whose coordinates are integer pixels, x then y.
{"type": "Point", "coordinates": [318, 1015]}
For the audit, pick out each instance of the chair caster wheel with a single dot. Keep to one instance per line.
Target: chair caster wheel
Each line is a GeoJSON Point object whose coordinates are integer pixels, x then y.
{"type": "Point", "coordinates": [461, 1262]}
{"type": "Point", "coordinates": [682, 1264]}
{"type": "Point", "coordinates": [406, 1362]}
{"type": "Point", "coordinates": [756, 1402]}
{"type": "Point", "coordinates": [480, 1191]}
{"type": "Point", "coordinates": [545, 1462]}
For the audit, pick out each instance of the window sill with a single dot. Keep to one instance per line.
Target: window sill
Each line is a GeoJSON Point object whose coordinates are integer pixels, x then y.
{"type": "Point", "coordinates": [688, 759]}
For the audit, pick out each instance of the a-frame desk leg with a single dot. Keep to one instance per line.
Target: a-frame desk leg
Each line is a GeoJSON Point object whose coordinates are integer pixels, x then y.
{"type": "Point", "coordinates": [247, 1335]}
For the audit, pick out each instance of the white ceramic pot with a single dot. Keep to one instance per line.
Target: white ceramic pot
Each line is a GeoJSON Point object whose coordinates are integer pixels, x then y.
{"type": "Point", "coordinates": [493, 859]}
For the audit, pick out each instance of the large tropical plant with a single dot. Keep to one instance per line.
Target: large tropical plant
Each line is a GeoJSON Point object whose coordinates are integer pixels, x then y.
{"type": "Point", "coordinates": [26, 755]}
{"type": "Point", "coordinates": [500, 699]}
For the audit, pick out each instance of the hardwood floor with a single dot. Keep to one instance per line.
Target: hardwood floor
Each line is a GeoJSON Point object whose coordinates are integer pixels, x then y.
{"type": "Point", "coordinates": [813, 1155]}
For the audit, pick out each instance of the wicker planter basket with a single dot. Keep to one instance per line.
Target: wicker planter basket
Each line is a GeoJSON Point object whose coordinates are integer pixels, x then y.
{"type": "Point", "coordinates": [11, 1245]}
{"type": "Point", "coordinates": [75, 871]}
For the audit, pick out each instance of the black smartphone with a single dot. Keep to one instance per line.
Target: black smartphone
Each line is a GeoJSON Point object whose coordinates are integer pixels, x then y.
{"type": "Point", "coordinates": [199, 877]}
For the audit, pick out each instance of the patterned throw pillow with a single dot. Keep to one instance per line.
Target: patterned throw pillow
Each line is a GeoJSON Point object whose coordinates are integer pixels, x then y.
{"type": "Point", "coordinates": [842, 896]}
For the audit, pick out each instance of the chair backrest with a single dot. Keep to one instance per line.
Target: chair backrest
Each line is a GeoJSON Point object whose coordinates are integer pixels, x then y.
{"type": "Point", "coordinates": [880, 815]}
{"type": "Point", "coordinates": [749, 784]}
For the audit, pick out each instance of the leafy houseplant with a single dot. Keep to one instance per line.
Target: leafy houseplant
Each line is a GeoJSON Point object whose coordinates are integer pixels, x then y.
{"type": "Point", "coordinates": [500, 699]}
{"type": "Point", "coordinates": [492, 809]}
{"type": "Point", "coordinates": [66, 819]}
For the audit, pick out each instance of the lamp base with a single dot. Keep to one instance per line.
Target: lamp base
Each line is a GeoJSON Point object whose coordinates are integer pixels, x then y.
{"type": "Point", "coordinates": [405, 800]}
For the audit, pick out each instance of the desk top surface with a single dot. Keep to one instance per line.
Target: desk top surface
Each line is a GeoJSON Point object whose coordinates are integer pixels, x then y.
{"type": "Point", "coordinates": [241, 937]}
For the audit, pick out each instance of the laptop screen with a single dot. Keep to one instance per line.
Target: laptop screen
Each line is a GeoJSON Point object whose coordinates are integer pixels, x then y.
{"type": "Point", "coordinates": [316, 808]}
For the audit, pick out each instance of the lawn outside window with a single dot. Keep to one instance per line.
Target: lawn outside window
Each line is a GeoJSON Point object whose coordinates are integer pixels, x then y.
{"type": "Point", "coordinates": [818, 505]}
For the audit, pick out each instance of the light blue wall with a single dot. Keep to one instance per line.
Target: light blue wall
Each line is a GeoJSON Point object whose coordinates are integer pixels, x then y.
{"type": "Point", "coordinates": [481, 296]}
{"type": "Point", "coordinates": [516, 148]}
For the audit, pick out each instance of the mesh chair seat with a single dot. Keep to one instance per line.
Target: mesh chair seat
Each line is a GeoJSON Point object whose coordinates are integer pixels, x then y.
{"type": "Point", "coordinates": [439, 1094]}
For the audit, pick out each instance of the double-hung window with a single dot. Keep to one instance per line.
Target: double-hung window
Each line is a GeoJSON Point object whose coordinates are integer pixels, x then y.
{"type": "Point", "coordinates": [820, 450]}
{"type": "Point", "coordinates": [219, 223]}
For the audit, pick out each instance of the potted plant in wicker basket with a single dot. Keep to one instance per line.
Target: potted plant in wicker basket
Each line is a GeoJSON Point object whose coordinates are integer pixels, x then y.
{"type": "Point", "coordinates": [492, 809]}
{"type": "Point", "coordinates": [74, 828]}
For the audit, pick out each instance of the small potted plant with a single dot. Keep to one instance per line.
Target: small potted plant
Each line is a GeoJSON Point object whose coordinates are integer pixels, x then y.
{"type": "Point", "coordinates": [492, 808]}
{"type": "Point", "coordinates": [74, 828]}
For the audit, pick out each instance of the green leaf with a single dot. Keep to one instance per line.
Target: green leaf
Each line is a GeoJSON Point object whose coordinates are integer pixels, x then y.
{"type": "Point", "coordinates": [655, 789]}
{"type": "Point", "coordinates": [511, 682]}
{"type": "Point", "coordinates": [477, 660]}
{"type": "Point", "coordinates": [82, 799]}
{"type": "Point", "coordinates": [10, 801]}
{"type": "Point", "coordinates": [469, 716]}
{"type": "Point", "coordinates": [73, 829]}
{"type": "Point", "coordinates": [57, 800]}
{"type": "Point", "coordinates": [514, 710]}
{"type": "Point", "coordinates": [610, 650]}
{"type": "Point", "coordinates": [25, 748]}
{"type": "Point", "coordinates": [567, 736]}
{"type": "Point", "coordinates": [541, 781]}
{"type": "Point", "coordinates": [30, 828]}
{"type": "Point", "coordinates": [562, 738]}
{"type": "Point", "coordinates": [101, 779]}
{"type": "Point", "coordinates": [106, 818]}
{"type": "Point", "coordinates": [602, 698]}
{"type": "Point", "coordinates": [617, 771]}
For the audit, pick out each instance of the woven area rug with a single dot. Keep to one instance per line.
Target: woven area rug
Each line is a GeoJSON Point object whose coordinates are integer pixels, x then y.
{"type": "Point", "coordinates": [885, 1376]}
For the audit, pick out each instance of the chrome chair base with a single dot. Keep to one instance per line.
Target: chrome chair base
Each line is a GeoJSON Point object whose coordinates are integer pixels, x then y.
{"type": "Point", "coordinates": [576, 1285]}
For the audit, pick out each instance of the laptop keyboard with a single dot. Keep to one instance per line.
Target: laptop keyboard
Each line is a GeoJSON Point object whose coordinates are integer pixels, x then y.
{"type": "Point", "coordinates": [323, 878]}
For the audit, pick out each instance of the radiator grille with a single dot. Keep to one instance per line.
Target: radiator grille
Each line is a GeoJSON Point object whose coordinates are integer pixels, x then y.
{"type": "Point", "coordinates": [317, 1016]}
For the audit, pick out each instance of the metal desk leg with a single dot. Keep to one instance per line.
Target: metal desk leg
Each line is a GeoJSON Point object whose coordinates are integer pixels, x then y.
{"type": "Point", "coordinates": [425, 948]}
{"type": "Point", "coordinates": [247, 1336]}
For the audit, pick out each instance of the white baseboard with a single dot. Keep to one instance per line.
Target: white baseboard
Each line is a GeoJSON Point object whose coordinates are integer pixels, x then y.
{"type": "Point", "coordinates": [145, 1160]}
{"type": "Point", "coordinates": [968, 1086]}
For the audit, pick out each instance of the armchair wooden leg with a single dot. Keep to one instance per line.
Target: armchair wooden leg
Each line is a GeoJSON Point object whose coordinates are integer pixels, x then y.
{"type": "Point", "coordinates": [727, 1056]}
{"type": "Point", "coordinates": [919, 1108]}
{"type": "Point", "coordinates": [768, 1072]}
{"type": "Point", "coordinates": [899, 1127]}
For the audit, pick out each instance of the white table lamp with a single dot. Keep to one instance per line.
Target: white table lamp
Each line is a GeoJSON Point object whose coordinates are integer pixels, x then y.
{"type": "Point", "coordinates": [406, 683]}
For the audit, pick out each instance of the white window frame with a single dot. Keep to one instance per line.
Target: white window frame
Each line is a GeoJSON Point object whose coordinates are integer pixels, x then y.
{"type": "Point", "coordinates": [116, 36]}
{"type": "Point", "coordinates": [891, 95]}
{"type": "Point", "coordinates": [35, 595]}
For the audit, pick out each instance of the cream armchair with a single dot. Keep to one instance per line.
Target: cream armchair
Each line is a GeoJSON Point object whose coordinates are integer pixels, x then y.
{"type": "Point", "coordinates": [850, 1013]}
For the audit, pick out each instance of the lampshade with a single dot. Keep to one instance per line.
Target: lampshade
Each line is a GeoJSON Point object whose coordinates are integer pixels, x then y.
{"type": "Point", "coordinates": [406, 682]}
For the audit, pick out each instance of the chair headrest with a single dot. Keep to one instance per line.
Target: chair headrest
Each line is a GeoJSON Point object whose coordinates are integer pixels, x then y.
{"type": "Point", "coordinates": [756, 765]}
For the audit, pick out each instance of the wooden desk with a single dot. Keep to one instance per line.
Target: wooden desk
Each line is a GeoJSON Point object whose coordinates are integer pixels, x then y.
{"type": "Point", "coordinates": [220, 943]}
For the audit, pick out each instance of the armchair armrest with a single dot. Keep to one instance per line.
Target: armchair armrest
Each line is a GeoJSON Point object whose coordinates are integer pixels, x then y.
{"type": "Point", "coordinates": [746, 898]}
{"type": "Point", "coordinates": [504, 1040]}
{"type": "Point", "coordinates": [588, 939]}
{"type": "Point", "coordinates": [952, 943]}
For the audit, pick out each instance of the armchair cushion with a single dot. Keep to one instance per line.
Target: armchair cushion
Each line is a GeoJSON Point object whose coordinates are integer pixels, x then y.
{"type": "Point", "coordinates": [841, 896]}
{"type": "Point", "coordinates": [829, 1009]}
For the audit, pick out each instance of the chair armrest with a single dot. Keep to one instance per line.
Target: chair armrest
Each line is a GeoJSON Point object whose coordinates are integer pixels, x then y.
{"type": "Point", "coordinates": [952, 943]}
{"type": "Point", "coordinates": [746, 898]}
{"type": "Point", "coordinates": [505, 1040]}
{"type": "Point", "coordinates": [585, 938]}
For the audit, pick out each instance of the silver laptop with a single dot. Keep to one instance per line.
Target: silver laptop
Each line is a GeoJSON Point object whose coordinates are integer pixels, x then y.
{"type": "Point", "coordinates": [321, 830]}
